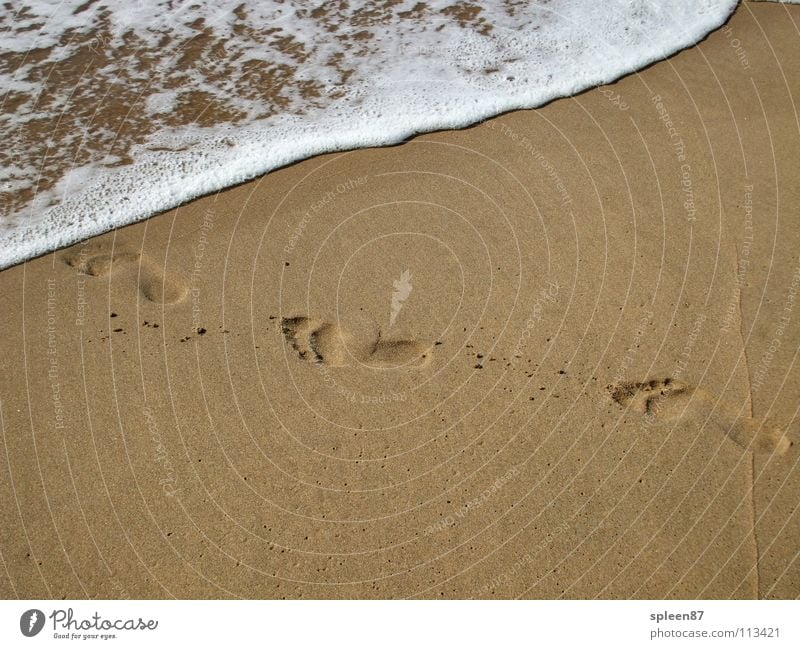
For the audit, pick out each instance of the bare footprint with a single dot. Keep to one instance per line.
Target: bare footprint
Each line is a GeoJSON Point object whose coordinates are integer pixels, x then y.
{"type": "Point", "coordinates": [322, 342]}
{"type": "Point", "coordinates": [97, 261]}
{"type": "Point", "coordinates": [159, 289]}
{"type": "Point", "coordinates": [397, 353]}
{"type": "Point", "coordinates": [665, 398]}
{"type": "Point", "coordinates": [670, 400]}
{"type": "Point", "coordinates": [100, 261]}
{"type": "Point", "coordinates": [315, 340]}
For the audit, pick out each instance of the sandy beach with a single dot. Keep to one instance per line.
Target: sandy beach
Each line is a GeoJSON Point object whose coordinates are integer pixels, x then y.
{"type": "Point", "coordinates": [552, 355]}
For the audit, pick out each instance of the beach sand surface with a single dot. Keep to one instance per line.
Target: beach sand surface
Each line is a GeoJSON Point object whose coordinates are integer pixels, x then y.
{"type": "Point", "coordinates": [552, 355]}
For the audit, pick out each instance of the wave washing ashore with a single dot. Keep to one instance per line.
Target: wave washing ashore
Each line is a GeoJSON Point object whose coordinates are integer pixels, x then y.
{"type": "Point", "coordinates": [115, 111]}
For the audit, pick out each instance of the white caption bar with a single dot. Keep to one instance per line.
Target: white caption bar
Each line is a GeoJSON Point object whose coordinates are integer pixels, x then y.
{"type": "Point", "coordinates": [414, 624]}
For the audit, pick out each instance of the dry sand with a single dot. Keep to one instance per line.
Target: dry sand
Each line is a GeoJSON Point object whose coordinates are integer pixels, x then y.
{"type": "Point", "coordinates": [552, 355]}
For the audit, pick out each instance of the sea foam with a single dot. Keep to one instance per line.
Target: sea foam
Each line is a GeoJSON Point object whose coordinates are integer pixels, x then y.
{"type": "Point", "coordinates": [115, 111]}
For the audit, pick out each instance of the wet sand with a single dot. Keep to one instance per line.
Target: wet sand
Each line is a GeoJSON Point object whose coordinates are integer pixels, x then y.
{"type": "Point", "coordinates": [551, 355]}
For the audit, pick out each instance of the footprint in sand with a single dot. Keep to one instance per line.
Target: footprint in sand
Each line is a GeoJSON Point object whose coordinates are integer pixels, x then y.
{"type": "Point", "coordinates": [670, 400]}
{"type": "Point", "coordinates": [100, 261]}
{"type": "Point", "coordinates": [322, 342]}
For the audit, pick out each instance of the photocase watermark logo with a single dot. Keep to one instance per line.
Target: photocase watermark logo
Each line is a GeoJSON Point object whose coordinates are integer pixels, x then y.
{"type": "Point", "coordinates": [66, 625]}
{"type": "Point", "coordinates": [31, 622]}
{"type": "Point", "coordinates": [402, 289]}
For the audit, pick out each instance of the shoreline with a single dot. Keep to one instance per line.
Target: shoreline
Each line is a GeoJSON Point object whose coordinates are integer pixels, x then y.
{"type": "Point", "coordinates": [160, 160]}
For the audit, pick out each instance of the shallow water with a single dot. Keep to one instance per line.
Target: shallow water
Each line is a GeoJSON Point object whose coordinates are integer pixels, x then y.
{"type": "Point", "coordinates": [114, 111]}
